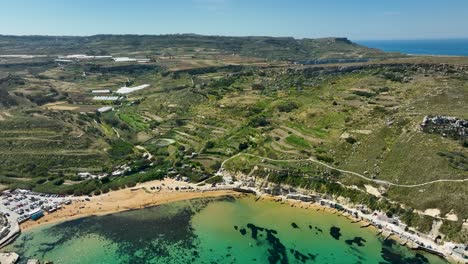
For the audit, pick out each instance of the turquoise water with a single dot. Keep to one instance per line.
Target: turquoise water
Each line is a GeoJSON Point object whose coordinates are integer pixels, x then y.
{"type": "Point", "coordinates": [452, 47]}
{"type": "Point", "coordinates": [222, 230]}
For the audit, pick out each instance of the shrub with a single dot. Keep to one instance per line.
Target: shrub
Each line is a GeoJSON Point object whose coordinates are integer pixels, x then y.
{"type": "Point", "coordinates": [258, 86]}
{"type": "Point", "coordinates": [259, 121]}
{"type": "Point", "coordinates": [41, 181]}
{"type": "Point", "coordinates": [105, 180]}
{"type": "Point", "coordinates": [59, 182]}
{"type": "Point", "coordinates": [351, 140]}
{"type": "Point", "coordinates": [209, 144]}
{"type": "Point", "coordinates": [120, 149]}
{"type": "Point", "coordinates": [287, 107]}
{"type": "Point", "coordinates": [243, 146]}
{"type": "Point", "coordinates": [325, 158]}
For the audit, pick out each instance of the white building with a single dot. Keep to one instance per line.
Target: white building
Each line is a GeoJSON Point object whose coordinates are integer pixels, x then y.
{"type": "Point", "coordinates": [127, 90]}
{"type": "Point", "coordinates": [83, 57]}
{"type": "Point", "coordinates": [104, 91]}
{"type": "Point", "coordinates": [106, 98]}
{"type": "Point", "coordinates": [105, 109]}
{"type": "Point", "coordinates": [123, 59]}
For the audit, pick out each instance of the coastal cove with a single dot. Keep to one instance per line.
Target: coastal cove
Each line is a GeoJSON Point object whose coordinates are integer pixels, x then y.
{"type": "Point", "coordinates": [223, 229]}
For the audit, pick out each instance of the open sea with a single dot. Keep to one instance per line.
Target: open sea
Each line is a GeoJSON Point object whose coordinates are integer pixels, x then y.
{"type": "Point", "coordinates": [218, 230]}
{"type": "Point", "coordinates": [451, 47]}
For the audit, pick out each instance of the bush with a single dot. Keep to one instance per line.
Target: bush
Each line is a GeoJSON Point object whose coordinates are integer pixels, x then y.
{"type": "Point", "coordinates": [216, 166]}
{"type": "Point", "coordinates": [59, 182]}
{"type": "Point", "coordinates": [364, 93]}
{"type": "Point", "coordinates": [259, 121]}
{"type": "Point", "coordinates": [180, 122]}
{"type": "Point", "coordinates": [41, 181]}
{"type": "Point", "coordinates": [105, 180]}
{"type": "Point", "coordinates": [243, 146]}
{"type": "Point", "coordinates": [209, 144]}
{"type": "Point", "coordinates": [465, 143]}
{"type": "Point", "coordinates": [258, 87]}
{"type": "Point", "coordinates": [287, 107]}
{"type": "Point", "coordinates": [120, 149]}
{"type": "Point", "coordinates": [351, 140]}
{"type": "Point", "coordinates": [325, 158]}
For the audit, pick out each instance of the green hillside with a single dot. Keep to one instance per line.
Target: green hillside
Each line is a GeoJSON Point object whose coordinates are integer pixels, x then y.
{"type": "Point", "coordinates": [205, 105]}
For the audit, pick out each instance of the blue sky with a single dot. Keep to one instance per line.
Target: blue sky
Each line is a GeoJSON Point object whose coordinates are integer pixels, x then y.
{"type": "Point", "coordinates": [356, 19]}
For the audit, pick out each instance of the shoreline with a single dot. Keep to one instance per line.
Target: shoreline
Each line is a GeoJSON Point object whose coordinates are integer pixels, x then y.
{"type": "Point", "coordinates": [142, 196]}
{"type": "Point", "coordinates": [385, 232]}
{"type": "Point", "coordinates": [138, 197]}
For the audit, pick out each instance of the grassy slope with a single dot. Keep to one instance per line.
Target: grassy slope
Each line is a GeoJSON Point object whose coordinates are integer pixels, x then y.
{"type": "Point", "coordinates": [216, 111]}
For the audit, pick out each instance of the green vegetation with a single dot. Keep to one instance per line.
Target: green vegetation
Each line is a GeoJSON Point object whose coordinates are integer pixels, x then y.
{"type": "Point", "coordinates": [297, 141]}
{"type": "Point", "coordinates": [120, 149]}
{"type": "Point", "coordinates": [134, 121]}
{"type": "Point", "coordinates": [205, 105]}
{"type": "Point", "coordinates": [264, 47]}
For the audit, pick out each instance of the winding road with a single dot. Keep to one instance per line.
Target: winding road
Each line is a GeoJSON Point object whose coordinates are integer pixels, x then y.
{"type": "Point", "coordinates": [383, 182]}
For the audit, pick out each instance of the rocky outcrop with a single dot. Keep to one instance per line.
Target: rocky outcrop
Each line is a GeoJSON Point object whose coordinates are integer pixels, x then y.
{"type": "Point", "coordinates": [9, 258]}
{"type": "Point", "coordinates": [447, 126]}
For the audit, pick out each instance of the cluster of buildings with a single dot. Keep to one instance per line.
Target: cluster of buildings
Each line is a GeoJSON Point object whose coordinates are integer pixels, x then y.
{"type": "Point", "coordinates": [110, 96]}
{"type": "Point", "coordinates": [78, 57]}
{"type": "Point", "coordinates": [18, 206]}
{"type": "Point", "coordinates": [87, 175]}
{"type": "Point", "coordinates": [388, 226]}
{"type": "Point", "coordinates": [391, 226]}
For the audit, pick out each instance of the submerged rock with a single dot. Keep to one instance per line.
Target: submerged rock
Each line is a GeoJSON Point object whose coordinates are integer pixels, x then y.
{"type": "Point", "coordinates": [335, 232]}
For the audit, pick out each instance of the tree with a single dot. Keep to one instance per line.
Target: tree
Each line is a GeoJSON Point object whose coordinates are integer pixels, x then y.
{"type": "Point", "coordinates": [105, 180]}
{"type": "Point", "coordinates": [209, 144]}
{"type": "Point", "coordinates": [243, 146]}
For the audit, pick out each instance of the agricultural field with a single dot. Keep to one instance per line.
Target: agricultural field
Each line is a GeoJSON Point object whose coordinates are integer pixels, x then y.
{"type": "Point", "coordinates": [306, 125]}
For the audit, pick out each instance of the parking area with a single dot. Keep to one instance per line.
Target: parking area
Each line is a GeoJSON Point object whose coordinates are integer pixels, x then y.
{"type": "Point", "coordinates": [23, 205]}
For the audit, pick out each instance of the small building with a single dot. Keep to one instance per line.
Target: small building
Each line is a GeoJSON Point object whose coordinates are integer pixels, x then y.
{"type": "Point", "coordinates": [123, 59]}
{"type": "Point", "coordinates": [103, 91]}
{"type": "Point", "coordinates": [85, 175]}
{"type": "Point", "coordinates": [143, 60]}
{"type": "Point", "coordinates": [106, 98]}
{"type": "Point", "coordinates": [37, 215]}
{"type": "Point", "coordinates": [105, 109]}
{"type": "Point", "coordinates": [300, 197]}
{"type": "Point", "coordinates": [127, 90]}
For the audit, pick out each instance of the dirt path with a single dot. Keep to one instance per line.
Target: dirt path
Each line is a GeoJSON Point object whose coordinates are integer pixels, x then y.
{"type": "Point", "coordinates": [383, 182]}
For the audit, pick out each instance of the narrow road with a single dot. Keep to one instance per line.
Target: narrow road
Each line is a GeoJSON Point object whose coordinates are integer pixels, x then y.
{"type": "Point", "coordinates": [383, 182]}
{"type": "Point", "coordinates": [148, 154]}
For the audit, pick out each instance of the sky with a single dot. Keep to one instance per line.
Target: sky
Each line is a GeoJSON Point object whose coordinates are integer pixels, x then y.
{"type": "Point", "coordinates": [355, 19]}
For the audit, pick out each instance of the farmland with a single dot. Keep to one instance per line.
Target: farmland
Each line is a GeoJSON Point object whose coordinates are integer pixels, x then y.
{"type": "Point", "coordinates": [206, 103]}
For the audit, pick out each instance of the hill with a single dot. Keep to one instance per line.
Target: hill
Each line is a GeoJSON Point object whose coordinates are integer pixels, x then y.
{"type": "Point", "coordinates": [278, 48]}
{"type": "Point", "coordinates": [387, 133]}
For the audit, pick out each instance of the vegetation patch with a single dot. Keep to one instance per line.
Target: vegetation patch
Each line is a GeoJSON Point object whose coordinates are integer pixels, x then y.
{"type": "Point", "coordinates": [135, 121]}
{"type": "Point", "coordinates": [297, 141]}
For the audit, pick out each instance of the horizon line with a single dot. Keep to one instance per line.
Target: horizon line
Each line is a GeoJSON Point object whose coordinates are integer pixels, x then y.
{"type": "Point", "coordinates": [239, 36]}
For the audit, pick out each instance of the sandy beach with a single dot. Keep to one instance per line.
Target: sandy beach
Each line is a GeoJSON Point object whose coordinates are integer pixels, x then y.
{"type": "Point", "coordinates": [142, 196]}
{"type": "Point", "coordinates": [137, 197]}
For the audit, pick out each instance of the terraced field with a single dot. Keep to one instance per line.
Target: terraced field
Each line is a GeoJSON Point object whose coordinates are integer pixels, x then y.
{"type": "Point", "coordinates": [319, 127]}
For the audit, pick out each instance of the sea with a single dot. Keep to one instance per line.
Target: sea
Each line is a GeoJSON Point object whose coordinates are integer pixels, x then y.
{"type": "Point", "coordinates": [450, 47]}
{"type": "Point", "coordinates": [218, 230]}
